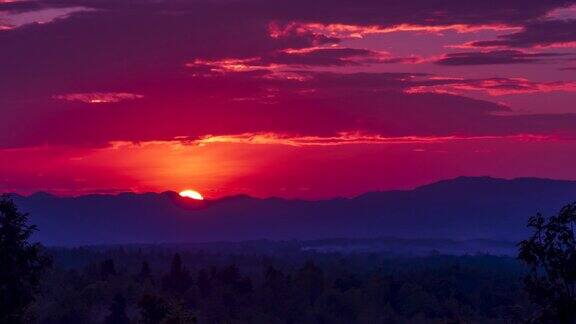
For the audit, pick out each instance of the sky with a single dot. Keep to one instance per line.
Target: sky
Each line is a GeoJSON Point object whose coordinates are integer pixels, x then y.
{"type": "Point", "coordinates": [289, 98]}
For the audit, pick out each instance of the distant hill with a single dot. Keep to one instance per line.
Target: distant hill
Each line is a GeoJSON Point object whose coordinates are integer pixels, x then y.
{"type": "Point", "coordinates": [463, 208]}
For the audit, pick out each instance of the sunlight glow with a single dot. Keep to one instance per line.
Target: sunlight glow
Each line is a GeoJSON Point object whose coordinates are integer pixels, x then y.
{"type": "Point", "coordinates": [192, 194]}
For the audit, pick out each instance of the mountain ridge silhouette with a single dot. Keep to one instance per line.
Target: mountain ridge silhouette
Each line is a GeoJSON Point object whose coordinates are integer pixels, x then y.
{"type": "Point", "coordinates": [459, 208]}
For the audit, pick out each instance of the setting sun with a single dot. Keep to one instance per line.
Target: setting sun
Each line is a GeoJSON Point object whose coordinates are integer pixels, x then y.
{"type": "Point", "coordinates": [192, 194]}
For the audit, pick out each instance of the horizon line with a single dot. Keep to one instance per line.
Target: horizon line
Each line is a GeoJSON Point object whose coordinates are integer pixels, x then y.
{"type": "Point", "coordinates": [114, 193]}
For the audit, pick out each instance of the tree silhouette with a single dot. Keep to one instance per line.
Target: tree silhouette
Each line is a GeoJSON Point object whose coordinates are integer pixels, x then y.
{"type": "Point", "coordinates": [203, 283]}
{"type": "Point", "coordinates": [107, 269]}
{"type": "Point", "coordinates": [153, 309]}
{"type": "Point", "coordinates": [179, 314]}
{"type": "Point", "coordinates": [551, 255]}
{"type": "Point", "coordinates": [21, 262]}
{"type": "Point", "coordinates": [310, 279]}
{"type": "Point", "coordinates": [118, 311]}
{"type": "Point", "coordinates": [179, 279]}
{"type": "Point", "coordinates": [275, 291]}
{"type": "Point", "coordinates": [145, 272]}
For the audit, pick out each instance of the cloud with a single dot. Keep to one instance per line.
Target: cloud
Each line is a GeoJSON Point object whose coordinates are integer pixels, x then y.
{"type": "Point", "coordinates": [349, 139]}
{"type": "Point", "coordinates": [99, 97]}
{"type": "Point", "coordinates": [41, 16]}
{"type": "Point", "coordinates": [151, 39]}
{"type": "Point", "coordinates": [492, 86]}
{"type": "Point", "coordinates": [393, 12]}
{"type": "Point", "coordinates": [497, 57]}
{"type": "Point", "coordinates": [326, 57]}
{"type": "Point", "coordinates": [304, 57]}
{"type": "Point", "coordinates": [88, 49]}
{"type": "Point", "coordinates": [236, 67]}
{"type": "Point", "coordinates": [320, 105]}
{"type": "Point", "coordinates": [547, 33]}
{"type": "Point", "coordinates": [360, 31]}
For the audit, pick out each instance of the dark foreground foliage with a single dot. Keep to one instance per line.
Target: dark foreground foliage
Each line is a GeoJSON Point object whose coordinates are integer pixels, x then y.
{"type": "Point", "coordinates": [551, 255]}
{"type": "Point", "coordinates": [175, 285]}
{"type": "Point", "coordinates": [284, 282]}
{"type": "Point", "coordinates": [21, 263]}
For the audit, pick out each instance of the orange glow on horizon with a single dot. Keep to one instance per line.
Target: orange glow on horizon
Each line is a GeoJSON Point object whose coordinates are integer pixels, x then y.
{"type": "Point", "coordinates": [224, 165]}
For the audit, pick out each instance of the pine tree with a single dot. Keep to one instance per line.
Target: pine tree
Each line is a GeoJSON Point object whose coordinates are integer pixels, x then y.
{"type": "Point", "coordinates": [179, 279]}
{"type": "Point", "coordinates": [21, 263]}
{"type": "Point", "coordinates": [145, 273]}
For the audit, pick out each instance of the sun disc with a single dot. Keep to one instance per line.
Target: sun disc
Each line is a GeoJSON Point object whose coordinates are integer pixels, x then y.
{"type": "Point", "coordinates": [192, 194]}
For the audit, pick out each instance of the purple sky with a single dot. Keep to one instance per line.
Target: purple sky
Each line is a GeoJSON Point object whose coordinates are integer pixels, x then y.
{"type": "Point", "coordinates": [289, 98]}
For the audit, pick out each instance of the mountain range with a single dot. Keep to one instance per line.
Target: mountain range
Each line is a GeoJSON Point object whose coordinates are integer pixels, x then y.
{"type": "Point", "coordinates": [463, 208]}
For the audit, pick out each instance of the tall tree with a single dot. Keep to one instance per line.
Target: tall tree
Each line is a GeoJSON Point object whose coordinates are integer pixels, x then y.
{"type": "Point", "coordinates": [179, 279]}
{"type": "Point", "coordinates": [145, 272]}
{"type": "Point", "coordinates": [21, 262]}
{"type": "Point", "coordinates": [550, 252]}
{"type": "Point", "coordinates": [310, 280]}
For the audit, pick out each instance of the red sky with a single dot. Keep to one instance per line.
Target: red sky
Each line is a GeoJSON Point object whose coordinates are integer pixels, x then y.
{"type": "Point", "coordinates": [283, 98]}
